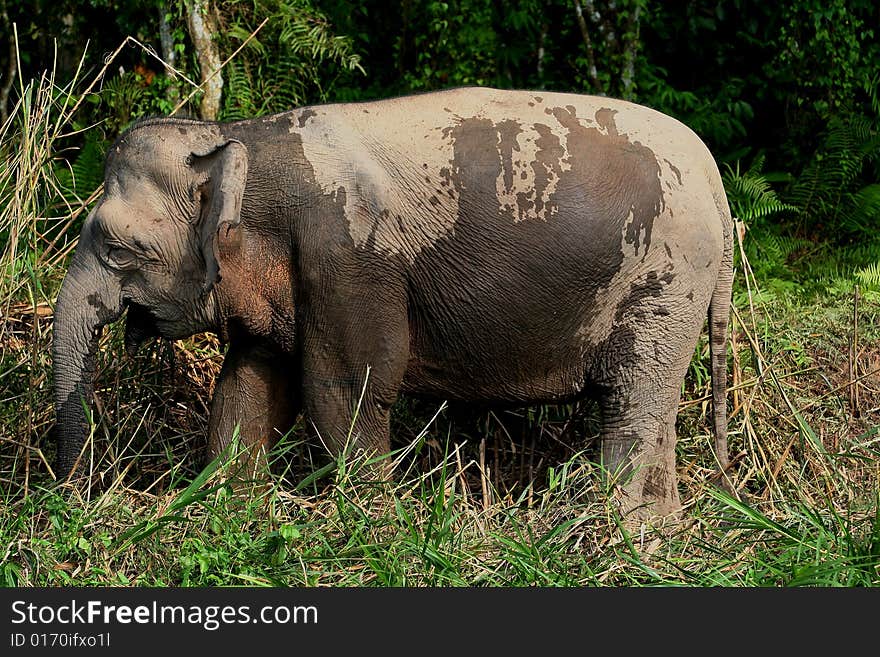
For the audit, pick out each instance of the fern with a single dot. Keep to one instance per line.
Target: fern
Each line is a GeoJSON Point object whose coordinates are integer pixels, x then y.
{"type": "Point", "coordinates": [834, 191]}
{"type": "Point", "coordinates": [239, 94]}
{"type": "Point", "coordinates": [121, 95]}
{"type": "Point", "coordinates": [305, 33]}
{"type": "Point", "coordinates": [835, 201]}
{"type": "Point", "coordinates": [753, 201]}
{"type": "Point", "coordinates": [869, 276]}
{"type": "Point", "coordinates": [284, 65]}
{"type": "Point", "coordinates": [77, 180]}
{"type": "Point", "coordinates": [750, 194]}
{"type": "Point", "coordinates": [860, 212]}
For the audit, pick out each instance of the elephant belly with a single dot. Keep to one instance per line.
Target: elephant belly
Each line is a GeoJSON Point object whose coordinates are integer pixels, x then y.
{"type": "Point", "coordinates": [498, 357]}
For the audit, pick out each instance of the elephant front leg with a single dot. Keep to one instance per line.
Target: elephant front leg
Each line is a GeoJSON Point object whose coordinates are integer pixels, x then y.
{"type": "Point", "coordinates": [351, 423]}
{"type": "Point", "coordinates": [347, 398]}
{"type": "Point", "coordinates": [253, 394]}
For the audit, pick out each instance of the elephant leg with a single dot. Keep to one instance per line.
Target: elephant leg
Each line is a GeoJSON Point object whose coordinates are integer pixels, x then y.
{"type": "Point", "coordinates": [638, 449]}
{"type": "Point", "coordinates": [254, 394]}
{"type": "Point", "coordinates": [350, 385]}
{"type": "Point", "coordinates": [351, 420]}
{"type": "Point", "coordinates": [640, 374]}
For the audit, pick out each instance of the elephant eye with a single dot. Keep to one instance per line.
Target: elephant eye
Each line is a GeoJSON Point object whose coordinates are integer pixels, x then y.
{"type": "Point", "coordinates": [121, 258]}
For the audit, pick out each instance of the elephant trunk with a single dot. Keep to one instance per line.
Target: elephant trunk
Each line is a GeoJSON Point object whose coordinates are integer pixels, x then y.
{"type": "Point", "coordinates": [90, 297]}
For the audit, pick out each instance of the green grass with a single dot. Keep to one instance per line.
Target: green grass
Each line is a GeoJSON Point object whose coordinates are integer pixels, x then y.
{"type": "Point", "coordinates": [465, 510]}
{"type": "Point", "coordinates": [481, 497]}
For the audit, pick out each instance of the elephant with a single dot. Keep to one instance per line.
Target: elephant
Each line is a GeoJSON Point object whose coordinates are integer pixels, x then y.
{"type": "Point", "coordinates": [476, 245]}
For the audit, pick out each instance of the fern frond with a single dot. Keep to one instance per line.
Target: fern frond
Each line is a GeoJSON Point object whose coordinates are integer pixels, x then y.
{"type": "Point", "coordinates": [77, 180]}
{"type": "Point", "coordinates": [751, 196]}
{"type": "Point", "coordinates": [869, 276]}
{"type": "Point", "coordinates": [285, 66]}
{"type": "Point", "coordinates": [873, 89]}
{"type": "Point", "coordinates": [823, 190]}
{"type": "Point", "coordinates": [860, 212]}
{"type": "Point", "coordinates": [238, 99]}
{"type": "Point", "coordinates": [251, 41]}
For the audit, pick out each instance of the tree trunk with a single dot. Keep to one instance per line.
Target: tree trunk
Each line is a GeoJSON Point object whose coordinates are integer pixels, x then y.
{"type": "Point", "coordinates": [542, 39]}
{"type": "Point", "coordinates": [203, 30]}
{"type": "Point", "coordinates": [11, 67]}
{"type": "Point", "coordinates": [169, 56]}
{"type": "Point", "coordinates": [631, 45]}
{"type": "Point", "coordinates": [588, 44]}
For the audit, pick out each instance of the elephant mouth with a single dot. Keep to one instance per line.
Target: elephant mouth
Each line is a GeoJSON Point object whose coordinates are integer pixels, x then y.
{"type": "Point", "coordinates": [140, 326]}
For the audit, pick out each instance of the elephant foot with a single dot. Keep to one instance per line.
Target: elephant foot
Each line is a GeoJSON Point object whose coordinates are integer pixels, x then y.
{"type": "Point", "coordinates": [649, 496]}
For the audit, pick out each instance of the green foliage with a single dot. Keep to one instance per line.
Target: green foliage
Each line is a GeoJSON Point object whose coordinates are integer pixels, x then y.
{"type": "Point", "coordinates": [837, 196]}
{"type": "Point", "coordinates": [720, 118]}
{"type": "Point", "coordinates": [78, 178]}
{"type": "Point", "coordinates": [425, 533]}
{"type": "Point", "coordinates": [826, 51]}
{"type": "Point", "coordinates": [869, 276]}
{"type": "Point", "coordinates": [750, 194]}
{"type": "Point", "coordinates": [130, 95]}
{"type": "Point", "coordinates": [817, 547]}
{"type": "Point", "coordinates": [614, 32]}
{"type": "Point", "coordinates": [821, 225]}
{"type": "Point", "coordinates": [839, 188]}
{"type": "Point", "coordinates": [445, 31]}
{"type": "Point", "coordinates": [754, 202]}
{"type": "Point", "coordinates": [292, 60]}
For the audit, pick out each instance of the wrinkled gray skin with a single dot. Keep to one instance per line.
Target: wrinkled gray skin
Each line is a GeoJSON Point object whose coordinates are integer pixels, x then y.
{"type": "Point", "coordinates": [477, 245]}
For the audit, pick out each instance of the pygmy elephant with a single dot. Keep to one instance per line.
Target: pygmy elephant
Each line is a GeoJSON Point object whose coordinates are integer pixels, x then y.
{"type": "Point", "coordinates": [476, 245]}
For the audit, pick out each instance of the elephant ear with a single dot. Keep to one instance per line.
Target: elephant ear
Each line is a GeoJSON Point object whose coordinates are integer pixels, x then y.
{"type": "Point", "coordinates": [225, 167]}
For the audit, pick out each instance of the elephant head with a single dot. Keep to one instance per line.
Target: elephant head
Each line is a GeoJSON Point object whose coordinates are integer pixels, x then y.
{"type": "Point", "coordinates": [150, 245]}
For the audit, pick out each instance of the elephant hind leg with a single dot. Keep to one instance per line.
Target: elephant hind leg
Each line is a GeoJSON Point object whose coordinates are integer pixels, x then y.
{"type": "Point", "coordinates": [639, 372]}
{"type": "Point", "coordinates": [638, 454]}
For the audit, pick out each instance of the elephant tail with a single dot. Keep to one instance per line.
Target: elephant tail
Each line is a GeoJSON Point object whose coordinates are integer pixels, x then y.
{"type": "Point", "coordinates": [719, 315]}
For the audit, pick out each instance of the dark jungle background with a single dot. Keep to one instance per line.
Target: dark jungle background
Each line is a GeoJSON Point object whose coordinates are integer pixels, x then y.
{"type": "Point", "coordinates": [786, 95]}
